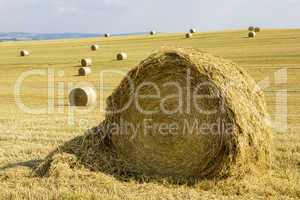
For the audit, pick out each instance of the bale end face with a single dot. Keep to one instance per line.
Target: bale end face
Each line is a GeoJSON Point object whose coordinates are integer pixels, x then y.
{"type": "Point", "coordinates": [86, 62]}
{"type": "Point", "coordinates": [106, 35]}
{"type": "Point", "coordinates": [24, 53]}
{"type": "Point", "coordinates": [94, 47]}
{"type": "Point", "coordinates": [193, 30]}
{"type": "Point", "coordinates": [152, 32]}
{"type": "Point", "coordinates": [188, 35]}
{"type": "Point", "coordinates": [122, 56]}
{"type": "Point", "coordinates": [84, 71]}
{"type": "Point", "coordinates": [257, 29]}
{"type": "Point", "coordinates": [84, 96]}
{"type": "Point", "coordinates": [251, 34]}
{"type": "Point", "coordinates": [251, 28]}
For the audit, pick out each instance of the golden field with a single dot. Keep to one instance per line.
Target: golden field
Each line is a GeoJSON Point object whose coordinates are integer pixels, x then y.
{"type": "Point", "coordinates": [26, 138]}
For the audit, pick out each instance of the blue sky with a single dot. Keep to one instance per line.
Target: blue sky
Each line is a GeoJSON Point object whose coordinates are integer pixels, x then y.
{"type": "Point", "coordinates": [125, 16]}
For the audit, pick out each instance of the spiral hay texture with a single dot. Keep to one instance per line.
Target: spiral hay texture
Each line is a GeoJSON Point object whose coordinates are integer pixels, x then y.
{"type": "Point", "coordinates": [190, 115]}
{"type": "Point", "coordinates": [251, 34]}
{"type": "Point", "coordinates": [84, 96]}
{"type": "Point", "coordinates": [152, 149]}
{"type": "Point", "coordinates": [86, 62]}
{"type": "Point", "coordinates": [84, 71]}
{"type": "Point", "coordinates": [24, 53]}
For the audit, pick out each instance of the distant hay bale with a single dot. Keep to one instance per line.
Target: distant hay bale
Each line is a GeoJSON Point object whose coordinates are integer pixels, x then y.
{"type": "Point", "coordinates": [106, 35]}
{"type": "Point", "coordinates": [24, 53]}
{"type": "Point", "coordinates": [251, 28]}
{"type": "Point", "coordinates": [188, 35]}
{"type": "Point", "coordinates": [84, 96]}
{"type": "Point", "coordinates": [257, 29]}
{"type": "Point", "coordinates": [84, 71]}
{"type": "Point", "coordinates": [94, 47]}
{"type": "Point", "coordinates": [251, 34]}
{"type": "Point", "coordinates": [122, 56]}
{"type": "Point", "coordinates": [152, 32]}
{"type": "Point", "coordinates": [198, 116]}
{"type": "Point", "coordinates": [193, 30]}
{"type": "Point", "coordinates": [86, 62]}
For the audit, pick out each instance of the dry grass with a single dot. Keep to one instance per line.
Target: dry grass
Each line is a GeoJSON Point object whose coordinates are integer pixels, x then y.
{"type": "Point", "coordinates": [25, 139]}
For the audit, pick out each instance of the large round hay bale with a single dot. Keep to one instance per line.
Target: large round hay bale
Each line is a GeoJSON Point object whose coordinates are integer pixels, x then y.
{"type": "Point", "coordinates": [251, 28]}
{"type": "Point", "coordinates": [257, 29]}
{"type": "Point", "coordinates": [188, 35]}
{"type": "Point", "coordinates": [122, 56]}
{"type": "Point", "coordinates": [84, 71]}
{"type": "Point", "coordinates": [251, 34]}
{"type": "Point", "coordinates": [83, 96]}
{"type": "Point", "coordinates": [189, 114]}
{"type": "Point", "coordinates": [24, 53]}
{"type": "Point", "coordinates": [94, 47]}
{"type": "Point", "coordinates": [193, 30]}
{"type": "Point", "coordinates": [86, 62]}
{"type": "Point", "coordinates": [152, 32]}
{"type": "Point", "coordinates": [106, 35]}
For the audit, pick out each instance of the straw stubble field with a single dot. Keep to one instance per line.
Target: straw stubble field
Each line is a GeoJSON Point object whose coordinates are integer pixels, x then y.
{"type": "Point", "coordinates": [25, 139]}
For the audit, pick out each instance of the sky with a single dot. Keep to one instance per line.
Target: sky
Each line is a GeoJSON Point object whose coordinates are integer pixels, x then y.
{"type": "Point", "coordinates": [128, 16]}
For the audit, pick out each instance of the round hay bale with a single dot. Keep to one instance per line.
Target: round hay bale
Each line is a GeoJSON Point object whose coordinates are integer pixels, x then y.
{"type": "Point", "coordinates": [122, 56]}
{"type": "Point", "coordinates": [106, 35]}
{"type": "Point", "coordinates": [153, 32]}
{"type": "Point", "coordinates": [86, 62]}
{"type": "Point", "coordinates": [193, 30]}
{"type": "Point", "coordinates": [188, 35]}
{"type": "Point", "coordinates": [84, 71]}
{"type": "Point", "coordinates": [251, 34]}
{"type": "Point", "coordinates": [24, 53]}
{"type": "Point", "coordinates": [162, 138]}
{"type": "Point", "coordinates": [257, 29]}
{"type": "Point", "coordinates": [94, 47]}
{"type": "Point", "coordinates": [251, 28]}
{"type": "Point", "coordinates": [84, 96]}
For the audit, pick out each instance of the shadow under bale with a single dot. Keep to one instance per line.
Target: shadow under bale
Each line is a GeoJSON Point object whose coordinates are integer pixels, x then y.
{"type": "Point", "coordinates": [30, 164]}
{"type": "Point", "coordinates": [235, 140]}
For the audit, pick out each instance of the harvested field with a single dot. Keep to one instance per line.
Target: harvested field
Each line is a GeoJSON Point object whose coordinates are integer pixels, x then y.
{"type": "Point", "coordinates": [26, 139]}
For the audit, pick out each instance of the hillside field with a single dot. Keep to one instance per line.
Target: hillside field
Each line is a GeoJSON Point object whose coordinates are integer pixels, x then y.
{"type": "Point", "coordinates": [26, 138]}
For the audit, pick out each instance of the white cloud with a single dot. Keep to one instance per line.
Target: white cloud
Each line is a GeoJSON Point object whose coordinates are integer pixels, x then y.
{"type": "Point", "coordinates": [142, 15]}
